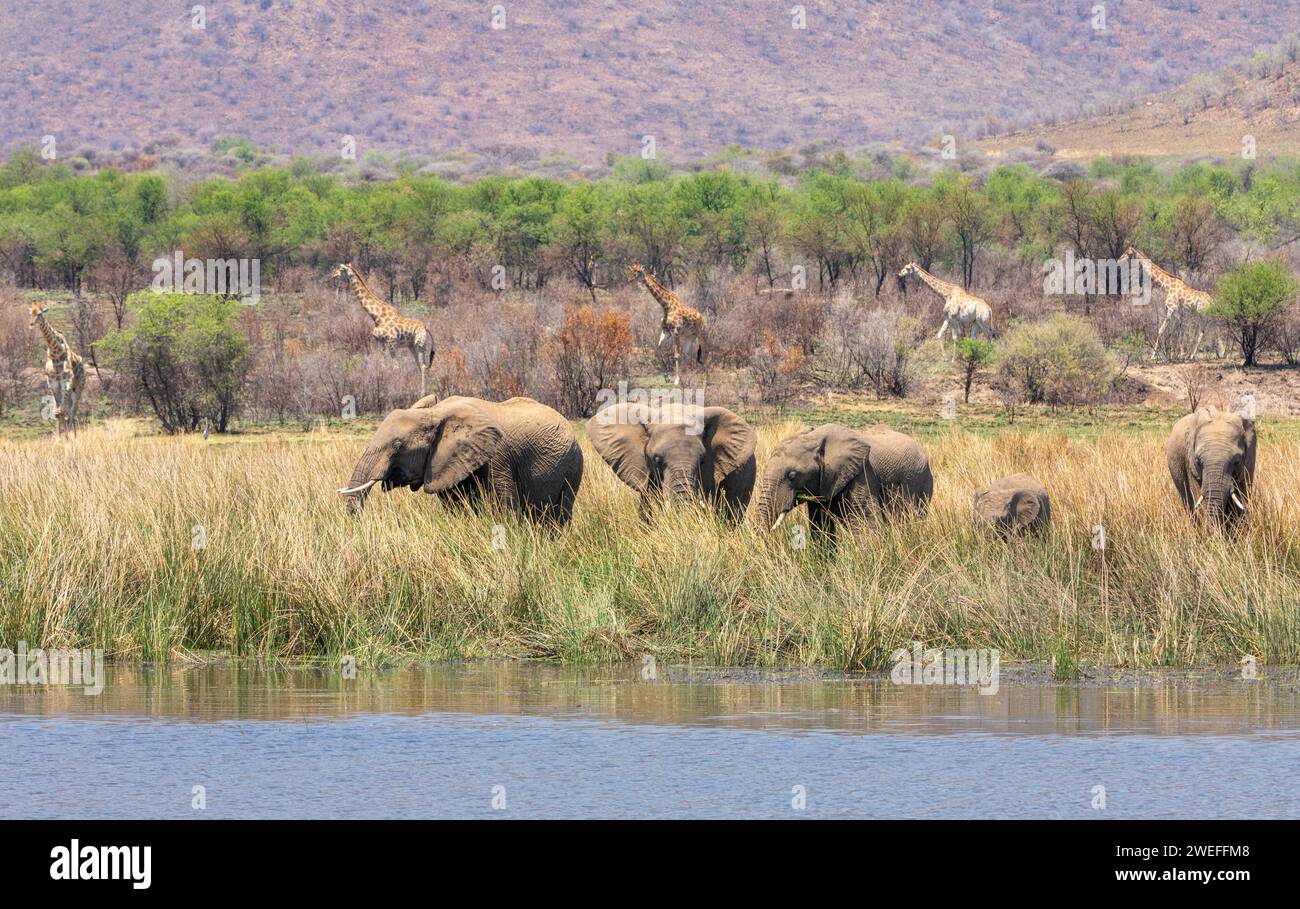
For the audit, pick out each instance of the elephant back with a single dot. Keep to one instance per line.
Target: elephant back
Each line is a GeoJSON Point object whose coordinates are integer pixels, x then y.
{"type": "Point", "coordinates": [901, 464]}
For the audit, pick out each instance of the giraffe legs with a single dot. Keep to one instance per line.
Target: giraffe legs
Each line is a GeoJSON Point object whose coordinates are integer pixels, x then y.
{"type": "Point", "coordinates": [418, 353]}
{"type": "Point", "coordinates": [1160, 332]}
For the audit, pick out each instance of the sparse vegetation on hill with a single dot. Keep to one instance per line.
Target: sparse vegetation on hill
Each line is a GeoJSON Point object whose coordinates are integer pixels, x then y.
{"type": "Point", "coordinates": [587, 78]}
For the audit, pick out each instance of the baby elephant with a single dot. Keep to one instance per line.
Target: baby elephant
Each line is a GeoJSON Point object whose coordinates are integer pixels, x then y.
{"type": "Point", "coordinates": [701, 453]}
{"type": "Point", "coordinates": [840, 473]}
{"type": "Point", "coordinates": [1211, 455]}
{"type": "Point", "coordinates": [1013, 505]}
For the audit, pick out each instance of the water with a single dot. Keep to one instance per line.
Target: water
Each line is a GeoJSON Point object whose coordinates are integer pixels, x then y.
{"type": "Point", "coordinates": [449, 740]}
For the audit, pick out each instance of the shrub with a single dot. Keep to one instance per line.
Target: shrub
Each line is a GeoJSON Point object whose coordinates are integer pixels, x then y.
{"type": "Point", "coordinates": [588, 352]}
{"type": "Point", "coordinates": [875, 348]}
{"type": "Point", "coordinates": [1059, 362]}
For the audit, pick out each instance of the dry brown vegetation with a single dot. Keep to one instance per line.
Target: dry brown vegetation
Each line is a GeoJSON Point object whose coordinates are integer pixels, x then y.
{"type": "Point", "coordinates": [153, 547]}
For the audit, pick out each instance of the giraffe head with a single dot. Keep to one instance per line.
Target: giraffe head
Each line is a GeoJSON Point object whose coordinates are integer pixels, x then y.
{"type": "Point", "coordinates": [342, 270]}
{"type": "Point", "coordinates": [908, 270]}
{"type": "Point", "coordinates": [636, 272]}
{"type": "Point", "coordinates": [37, 309]}
{"type": "Point", "coordinates": [1129, 253]}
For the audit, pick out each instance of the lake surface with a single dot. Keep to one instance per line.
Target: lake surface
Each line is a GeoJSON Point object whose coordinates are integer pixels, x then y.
{"type": "Point", "coordinates": [488, 740]}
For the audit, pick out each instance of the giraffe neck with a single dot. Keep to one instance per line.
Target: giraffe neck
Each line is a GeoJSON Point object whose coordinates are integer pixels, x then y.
{"type": "Point", "coordinates": [943, 288]}
{"type": "Point", "coordinates": [663, 295]}
{"type": "Point", "coordinates": [1158, 274]}
{"type": "Point", "coordinates": [376, 307]}
{"type": "Point", "coordinates": [54, 342]}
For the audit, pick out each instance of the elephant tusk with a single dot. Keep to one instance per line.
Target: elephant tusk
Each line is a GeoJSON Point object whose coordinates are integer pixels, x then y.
{"type": "Point", "coordinates": [1237, 501]}
{"type": "Point", "coordinates": [779, 519]}
{"type": "Point", "coordinates": [357, 489]}
{"type": "Point", "coordinates": [1197, 505]}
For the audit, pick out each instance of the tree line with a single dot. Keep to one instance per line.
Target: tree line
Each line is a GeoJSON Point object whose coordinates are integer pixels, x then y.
{"type": "Point", "coordinates": [851, 220]}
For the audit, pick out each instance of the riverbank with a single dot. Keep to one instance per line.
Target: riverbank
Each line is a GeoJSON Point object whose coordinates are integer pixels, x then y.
{"type": "Point", "coordinates": [152, 548]}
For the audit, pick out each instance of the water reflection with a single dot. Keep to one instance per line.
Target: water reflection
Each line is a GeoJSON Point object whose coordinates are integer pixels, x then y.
{"type": "Point", "coordinates": [733, 699]}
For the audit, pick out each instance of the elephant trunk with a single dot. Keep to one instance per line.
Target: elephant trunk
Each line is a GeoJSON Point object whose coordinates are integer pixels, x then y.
{"type": "Point", "coordinates": [683, 484]}
{"type": "Point", "coordinates": [775, 500]}
{"type": "Point", "coordinates": [365, 475]}
{"type": "Point", "coordinates": [1217, 492]}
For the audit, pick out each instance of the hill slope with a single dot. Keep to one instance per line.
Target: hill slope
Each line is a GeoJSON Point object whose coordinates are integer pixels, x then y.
{"type": "Point", "coordinates": [1252, 106]}
{"type": "Point", "coordinates": [589, 76]}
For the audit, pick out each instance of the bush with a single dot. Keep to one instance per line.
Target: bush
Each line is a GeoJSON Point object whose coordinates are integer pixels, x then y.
{"type": "Point", "coordinates": [588, 353]}
{"type": "Point", "coordinates": [875, 348]}
{"type": "Point", "coordinates": [1059, 362]}
{"type": "Point", "coordinates": [1251, 302]}
{"type": "Point", "coordinates": [185, 355]}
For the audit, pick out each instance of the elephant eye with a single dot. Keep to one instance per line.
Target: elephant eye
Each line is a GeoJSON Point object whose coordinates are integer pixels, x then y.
{"type": "Point", "coordinates": [790, 474]}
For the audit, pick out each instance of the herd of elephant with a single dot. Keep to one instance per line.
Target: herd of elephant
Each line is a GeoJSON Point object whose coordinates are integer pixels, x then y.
{"type": "Point", "coordinates": [525, 455]}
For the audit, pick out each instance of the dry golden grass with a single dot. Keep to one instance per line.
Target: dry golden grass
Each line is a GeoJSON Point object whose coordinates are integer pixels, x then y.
{"type": "Point", "coordinates": [98, 545]}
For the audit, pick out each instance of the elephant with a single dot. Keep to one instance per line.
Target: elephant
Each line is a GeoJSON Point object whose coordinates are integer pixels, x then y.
{"type": "Point", "coordinates": [1211, 455]}
{"type": "Point", "coordinates": [841, 472]}
{"type": "Point", "coordinates": [686, 451]}
{"type": "Point", "coordinates": [1013, 505]}
{"type": "Point", "coordinates": [520, 452]}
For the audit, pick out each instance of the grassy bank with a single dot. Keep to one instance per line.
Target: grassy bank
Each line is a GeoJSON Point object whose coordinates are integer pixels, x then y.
{"type": "Point", "coordinates": [149, 547]}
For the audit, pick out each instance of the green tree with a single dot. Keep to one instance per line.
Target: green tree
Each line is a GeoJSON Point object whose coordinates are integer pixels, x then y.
{"type": "Point", "coordinates": [185, 355]}
{"type": "Point", "coordinates": [1251, 300]}
{"type": "Point", "coordinates": [972, 354]}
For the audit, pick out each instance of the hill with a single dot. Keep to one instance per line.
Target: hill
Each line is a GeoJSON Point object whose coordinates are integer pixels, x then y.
{"type": "Point", "coordinates": [1254, 106]}
{"type": "Point", "coordinates": [589, 77]}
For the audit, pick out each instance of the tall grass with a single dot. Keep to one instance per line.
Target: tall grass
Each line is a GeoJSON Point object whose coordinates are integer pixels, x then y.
{"type": "Point", "coordinates": [151, 547]}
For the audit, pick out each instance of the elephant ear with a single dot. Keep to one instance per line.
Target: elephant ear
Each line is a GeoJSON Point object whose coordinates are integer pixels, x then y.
{"type": "Point", "coordinates": [465, 441]}
{"type": "Point", "coordinates": [1201, 417]}
{"type": "Point", "coordinates": [842, 458]}
{"type": "Point", "coordinates": [619, 434]}
{"type": "Point", "coordinates": [729, 439]}
{"type": "Point", "coordinates": [1025, 507]}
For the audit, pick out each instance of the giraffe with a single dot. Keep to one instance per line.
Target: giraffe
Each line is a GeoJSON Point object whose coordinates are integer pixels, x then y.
{"type": "Point", "coordinates": [65, 370]}
{"type": "Point", "coordinates": [1178, 295]}
{"type": "Point", "coordinates": [962, 312]}
{"type": "Point", "coordinates": [684, 324]}
{"type": "Point", "coordinates": [391, 330]}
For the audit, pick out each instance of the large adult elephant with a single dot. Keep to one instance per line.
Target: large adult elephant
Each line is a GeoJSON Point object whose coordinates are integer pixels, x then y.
{"type": "Point", "coordinates": [690, 452]}
{"type": "Point", "coordinates": [840, 473]}
{"type": "Point", "coordinates": [520, 452]}
{"type": "Point", "coordinates": [1211, 455]}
